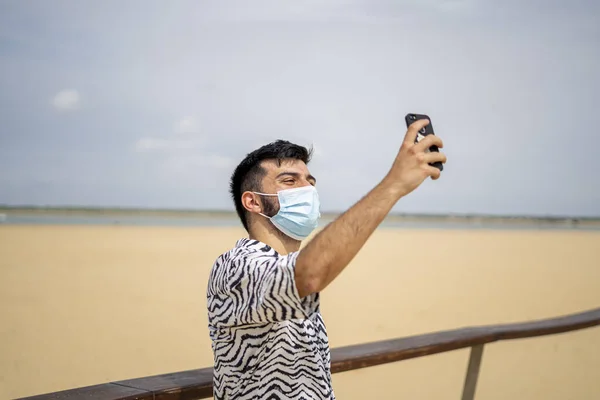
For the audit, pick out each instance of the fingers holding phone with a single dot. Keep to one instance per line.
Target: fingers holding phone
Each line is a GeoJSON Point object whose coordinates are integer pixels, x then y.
{"type": "Point", "coordinates": [425, 137]}
{"type": "Point", "coordinates": [414, 129]}
{"type": "Point", "coordinates": [426, 143]}
{"type": "Point", "coordinates": [419, 156]}
{"type": "Point", "coordinates": [433, 158]}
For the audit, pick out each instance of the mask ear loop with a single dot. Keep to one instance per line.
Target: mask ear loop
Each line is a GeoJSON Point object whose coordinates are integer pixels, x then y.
{"type": "Point", "coordinates": [266, 194]}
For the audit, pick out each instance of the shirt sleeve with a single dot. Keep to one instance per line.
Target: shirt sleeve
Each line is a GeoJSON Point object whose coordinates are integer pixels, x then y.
{"type": "Point", "coordinates": [263, 289]}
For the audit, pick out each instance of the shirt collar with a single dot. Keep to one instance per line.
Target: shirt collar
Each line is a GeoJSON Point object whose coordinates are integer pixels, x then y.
{"type": "Point", "coordinates": [254, 245]}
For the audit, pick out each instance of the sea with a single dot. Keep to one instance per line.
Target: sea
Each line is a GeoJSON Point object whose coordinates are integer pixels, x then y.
{"type": "Point", "coordinates": [230, 220]}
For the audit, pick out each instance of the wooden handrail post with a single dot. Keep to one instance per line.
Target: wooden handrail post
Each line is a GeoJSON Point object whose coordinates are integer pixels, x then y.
{"type": "Point", "coordinates": [472, 372]}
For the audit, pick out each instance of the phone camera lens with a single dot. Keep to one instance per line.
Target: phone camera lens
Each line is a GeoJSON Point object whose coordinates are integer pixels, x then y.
{"type": "Point", "coordinates": [413, 117]}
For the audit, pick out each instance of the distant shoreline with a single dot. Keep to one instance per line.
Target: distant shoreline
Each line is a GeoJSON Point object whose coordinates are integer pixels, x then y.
{"type": "Point", "coordinates": [229, 214]}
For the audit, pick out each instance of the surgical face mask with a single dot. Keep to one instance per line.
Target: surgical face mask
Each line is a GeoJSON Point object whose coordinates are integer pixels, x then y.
{"type": "Point", "coordinates": [299, 211]}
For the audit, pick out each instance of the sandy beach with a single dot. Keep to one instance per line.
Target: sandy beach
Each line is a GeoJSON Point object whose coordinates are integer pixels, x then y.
{"type": "Point", "coordinates": [82, 305]}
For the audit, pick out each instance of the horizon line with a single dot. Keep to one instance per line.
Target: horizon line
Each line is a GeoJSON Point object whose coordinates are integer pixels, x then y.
{"type": "Point", "coordinates": [25, 207]}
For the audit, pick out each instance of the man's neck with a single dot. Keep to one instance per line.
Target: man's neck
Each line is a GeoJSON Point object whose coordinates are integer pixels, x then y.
{"type": "Point", "coordinates": [277, 241]}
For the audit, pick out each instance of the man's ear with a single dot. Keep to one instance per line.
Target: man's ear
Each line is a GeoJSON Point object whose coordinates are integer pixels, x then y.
{"type": "Point", "coordinates": [251, 203]}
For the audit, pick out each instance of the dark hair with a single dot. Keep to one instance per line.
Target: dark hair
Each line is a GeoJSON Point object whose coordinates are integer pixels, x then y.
{"type": "Point", "coordinates": [249, 173]}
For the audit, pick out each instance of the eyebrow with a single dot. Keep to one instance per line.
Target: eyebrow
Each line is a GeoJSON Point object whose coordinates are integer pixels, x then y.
{"type": "Point", "coordinates": [296, 175]}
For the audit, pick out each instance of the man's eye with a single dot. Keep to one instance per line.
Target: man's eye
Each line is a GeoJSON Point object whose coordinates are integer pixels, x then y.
{"type": "Point", "coordinates": [290, 181]}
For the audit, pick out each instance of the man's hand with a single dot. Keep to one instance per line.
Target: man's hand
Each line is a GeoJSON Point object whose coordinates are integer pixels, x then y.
{"type": "Point", "coordinates": [411, 166]}
{"type": "Point", "coordinates": [332, 249]}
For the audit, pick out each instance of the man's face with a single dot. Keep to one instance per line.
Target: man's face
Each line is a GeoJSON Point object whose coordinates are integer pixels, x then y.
{"type": "Point", "coordinates": [290, 174]}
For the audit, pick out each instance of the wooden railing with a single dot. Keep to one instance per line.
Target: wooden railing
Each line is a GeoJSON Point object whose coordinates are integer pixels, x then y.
{"type": "Point", "coordinates": [197, 384]}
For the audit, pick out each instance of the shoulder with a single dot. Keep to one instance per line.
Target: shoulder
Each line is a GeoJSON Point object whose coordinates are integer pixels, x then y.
{"type": "Point", "coordinates": [245, 256]}
{"type": "Point", "coordinates": [248, 257]}
{"type": "Point", "coordinates": [247, 252]}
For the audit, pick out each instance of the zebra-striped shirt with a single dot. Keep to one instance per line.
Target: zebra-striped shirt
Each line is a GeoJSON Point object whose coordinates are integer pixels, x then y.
{"type": "Point", "coordinates": [267, 342]}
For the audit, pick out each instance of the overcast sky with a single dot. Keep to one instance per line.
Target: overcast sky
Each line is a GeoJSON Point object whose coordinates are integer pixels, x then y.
{"type": "Point", "coordinates": [147, 103]}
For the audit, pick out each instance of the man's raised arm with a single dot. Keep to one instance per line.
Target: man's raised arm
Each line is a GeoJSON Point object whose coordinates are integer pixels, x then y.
{"type": "Point", "coordinates": [332, 249]}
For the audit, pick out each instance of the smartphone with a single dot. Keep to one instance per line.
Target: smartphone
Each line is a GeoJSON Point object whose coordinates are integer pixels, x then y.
{"type": "Point", "coordinates": [427, 130]}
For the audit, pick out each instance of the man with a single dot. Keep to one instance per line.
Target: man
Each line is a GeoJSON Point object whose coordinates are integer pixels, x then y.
{"type": "Point", "coordinates": [268, 338]}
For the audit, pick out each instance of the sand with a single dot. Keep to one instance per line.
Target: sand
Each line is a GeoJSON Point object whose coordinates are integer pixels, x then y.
{"type": "Point", "coordinates": [82, 305]}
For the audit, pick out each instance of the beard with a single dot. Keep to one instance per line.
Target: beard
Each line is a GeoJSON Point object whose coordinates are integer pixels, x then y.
{"type": "Point", "coordinates": [270, 206]}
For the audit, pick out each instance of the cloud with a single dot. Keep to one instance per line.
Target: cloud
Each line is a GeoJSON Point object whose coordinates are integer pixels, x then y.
{"type": "Point", "coordinates": [186, 166]}
{"type": "Point", "coordinates": [150, 144]}
{"type": "Point", "coordinates": [183, 153]}
{"type": "Point", "coordinates": [218, 161]}
{"type": "Point", "coordinates": [147, 144]}
{"type": "Point", "coordinates": [185, 138]}
{"type": "Point", "coordinates": [67, 99]}
{"type": "Point", "coordinates": [187, 125]}
{"type": "Point", "coordinates": [353, 11]}
{"type": "Point", "coordinates": [456, 5]}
